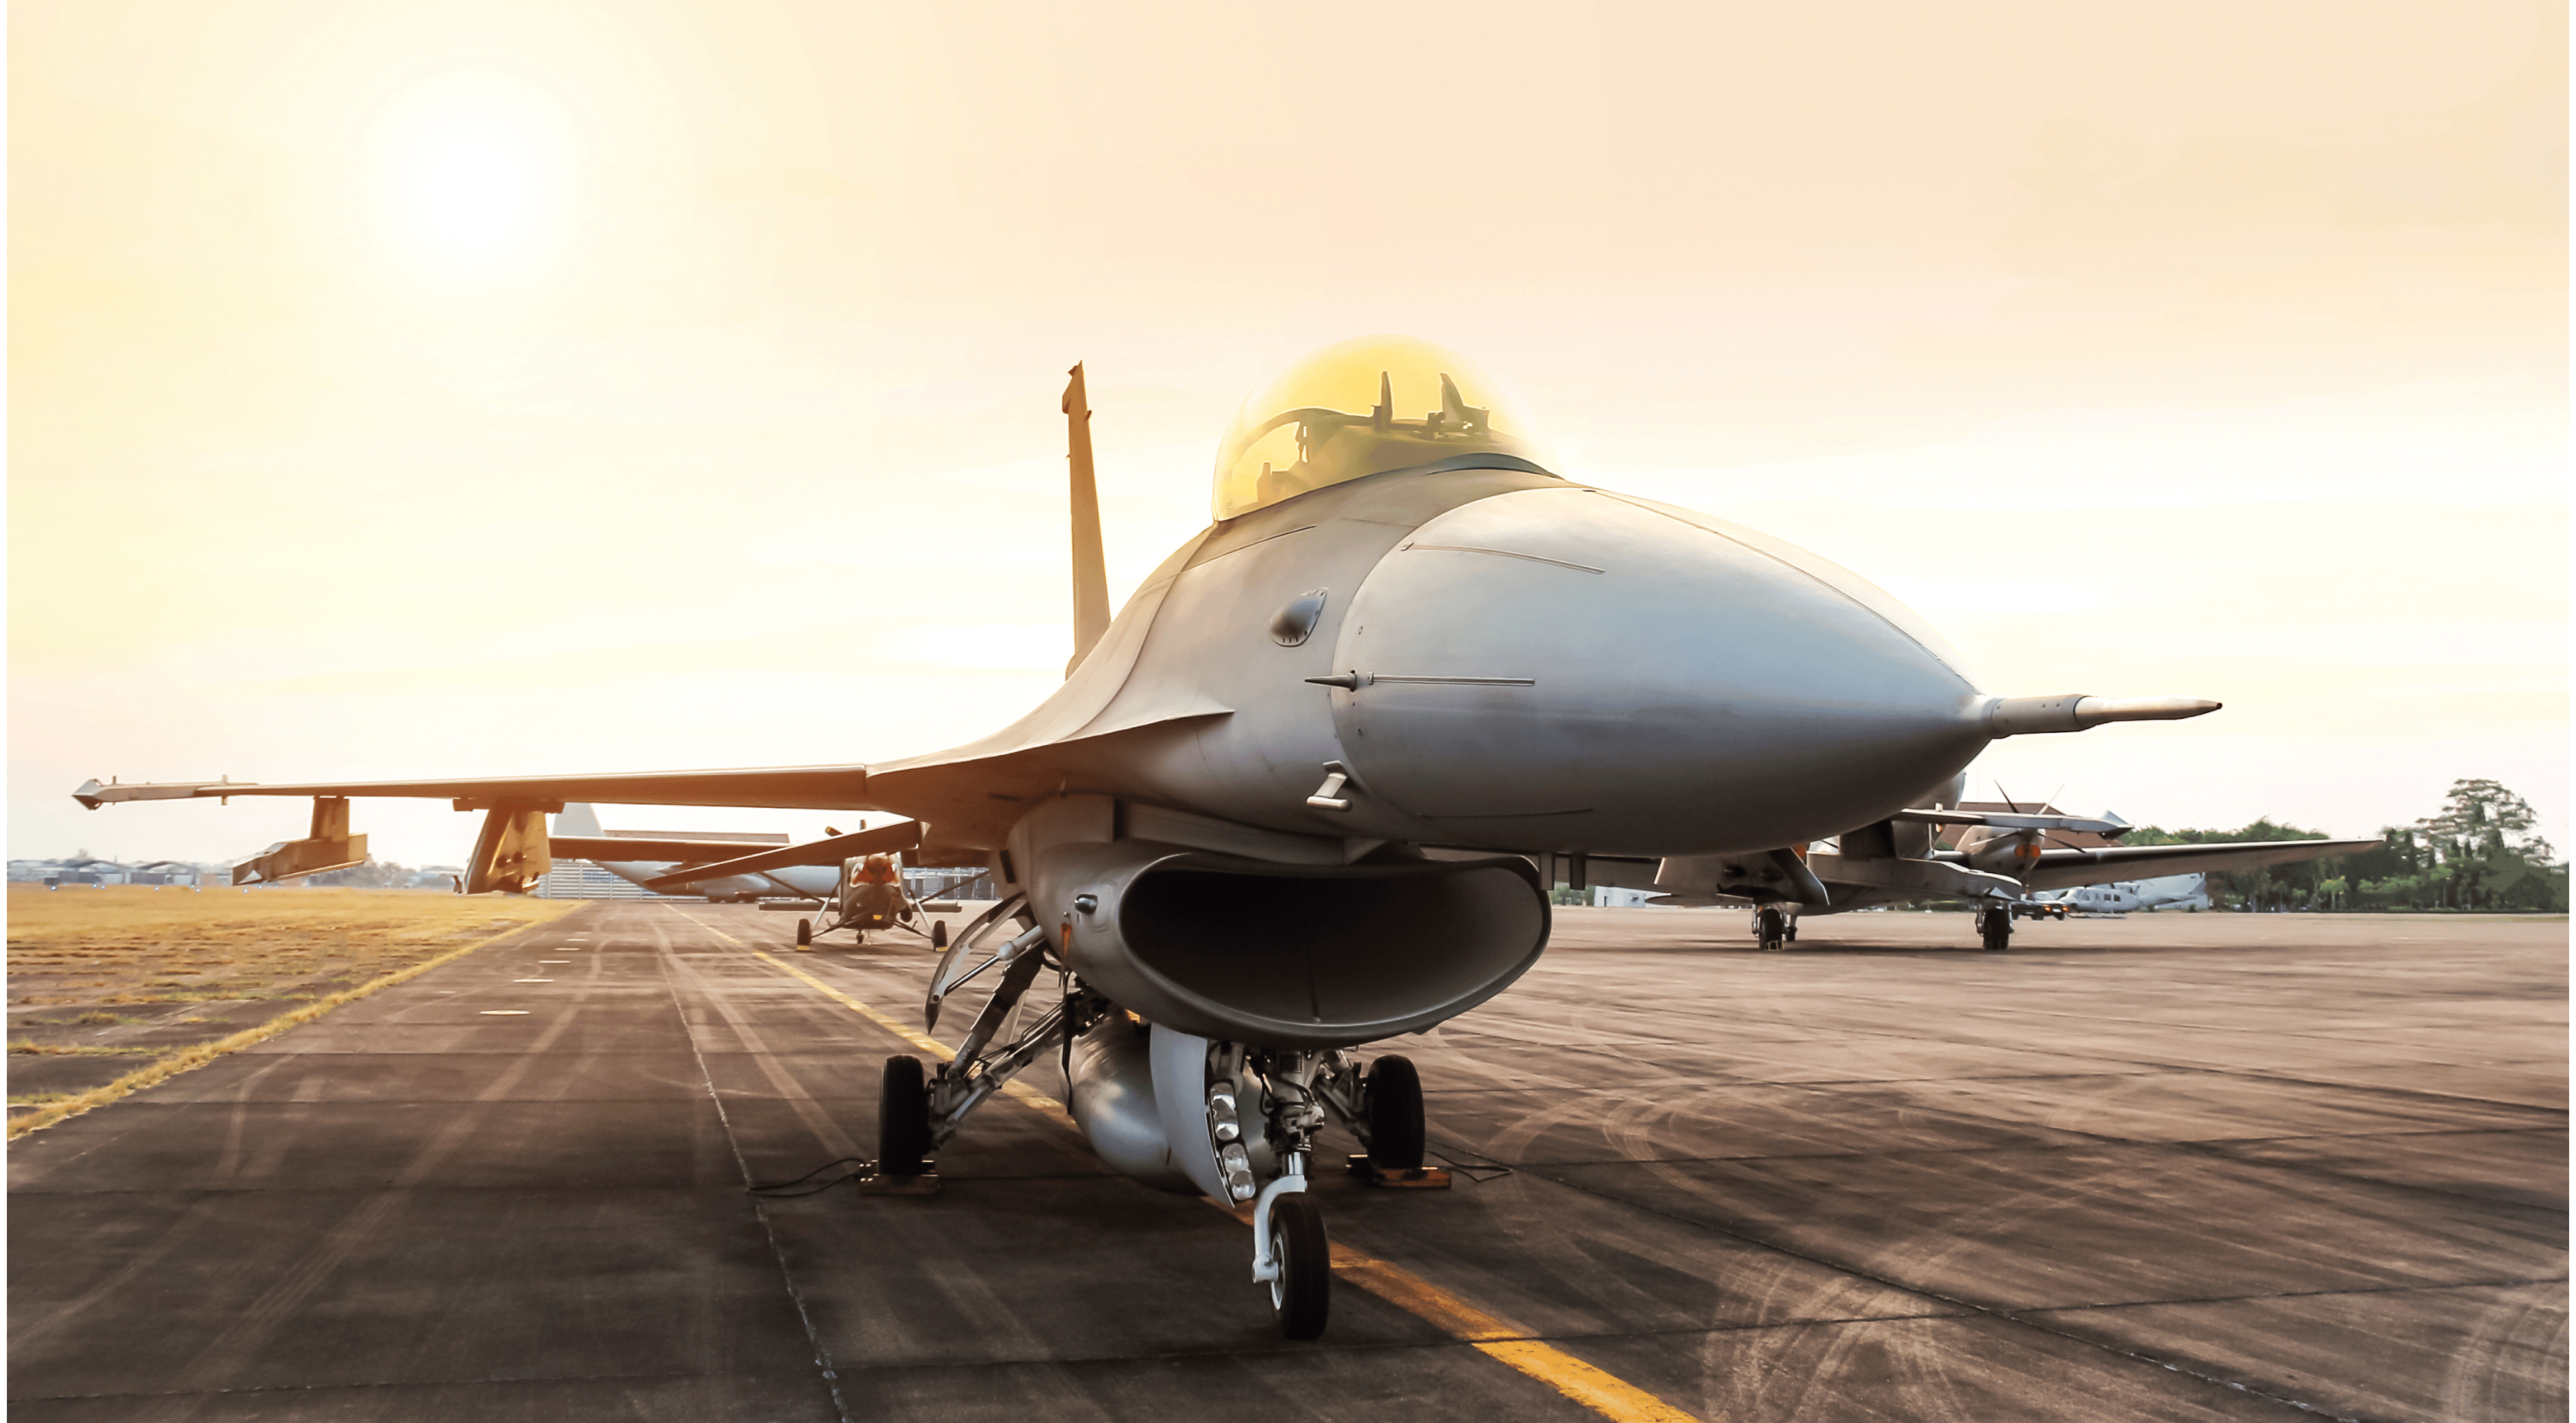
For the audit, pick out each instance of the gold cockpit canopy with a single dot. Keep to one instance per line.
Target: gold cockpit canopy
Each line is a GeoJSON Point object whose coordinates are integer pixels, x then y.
{"type": "Point", "coordinates": [1363, 407]}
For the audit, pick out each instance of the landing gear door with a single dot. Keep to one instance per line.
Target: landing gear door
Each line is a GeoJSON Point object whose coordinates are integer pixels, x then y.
{"type": "Point", "coordinates": [1180, 1099]}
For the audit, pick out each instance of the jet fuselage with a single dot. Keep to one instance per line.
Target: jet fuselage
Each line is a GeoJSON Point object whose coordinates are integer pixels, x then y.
{"type": "Point", "coordinates": [1524, 664]}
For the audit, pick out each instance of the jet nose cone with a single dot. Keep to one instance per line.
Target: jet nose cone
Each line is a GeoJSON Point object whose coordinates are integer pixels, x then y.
{"type": "Point", "coordinates": [1567, 668]}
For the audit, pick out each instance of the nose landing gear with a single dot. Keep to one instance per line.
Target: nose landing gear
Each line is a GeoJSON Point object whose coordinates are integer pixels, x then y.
{"type": "Point", "coordinates": [1772, 929]}
{"type": "Point", "coordinates": [1294, 1257]}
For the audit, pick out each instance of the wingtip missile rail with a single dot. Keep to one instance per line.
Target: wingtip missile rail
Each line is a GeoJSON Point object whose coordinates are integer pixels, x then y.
{"type": "Point", "coordinates": [93, 795]}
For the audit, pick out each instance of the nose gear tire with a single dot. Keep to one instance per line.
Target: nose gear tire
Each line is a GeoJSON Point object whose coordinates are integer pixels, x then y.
{"type": "Point", "coordinates": [1303, 1293]}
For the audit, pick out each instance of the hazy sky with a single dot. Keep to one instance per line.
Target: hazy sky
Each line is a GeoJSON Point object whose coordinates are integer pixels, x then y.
{"type": "Point", "coordinates": [493, 388]}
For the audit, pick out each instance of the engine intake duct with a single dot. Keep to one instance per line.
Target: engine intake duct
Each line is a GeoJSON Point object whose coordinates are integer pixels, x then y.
{"type": "Point", "coordinates": [1309, 956]}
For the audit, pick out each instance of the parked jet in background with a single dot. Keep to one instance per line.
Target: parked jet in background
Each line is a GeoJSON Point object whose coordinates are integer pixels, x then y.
{"type": "Point", "coordinates": [637, 856]}
{"type": "Point", "coordinates": [1306, 790]}
{"type": "Point", "coordinates": [2002, 862]}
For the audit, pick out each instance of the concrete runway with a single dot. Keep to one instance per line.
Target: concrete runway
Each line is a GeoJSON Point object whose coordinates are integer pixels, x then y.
{"type": "Point", "coordinates": [2184, 1167]}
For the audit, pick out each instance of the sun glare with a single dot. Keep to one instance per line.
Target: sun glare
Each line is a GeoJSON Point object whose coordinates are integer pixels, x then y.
{"type": "Point", "coordinates": [474, 186]}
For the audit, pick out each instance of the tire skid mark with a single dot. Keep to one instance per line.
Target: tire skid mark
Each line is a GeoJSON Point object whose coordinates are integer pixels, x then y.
{"type": "Point", "coordinates": [2473, 1387]}
{"type": "Point", "coordinates": [668, 961]}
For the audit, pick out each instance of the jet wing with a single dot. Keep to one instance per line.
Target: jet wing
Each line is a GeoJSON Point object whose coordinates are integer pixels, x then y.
{"type": "Point", "coordinates": [2065, 869]}
{"type": "Point", "coordinates": [775, 788]}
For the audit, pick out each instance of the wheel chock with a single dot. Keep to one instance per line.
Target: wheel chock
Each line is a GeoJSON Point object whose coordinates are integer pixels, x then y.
{"type": "Point", "coordinates": [1420, 1178]}
{"type": "Point", "coordinates": [873, 1184]}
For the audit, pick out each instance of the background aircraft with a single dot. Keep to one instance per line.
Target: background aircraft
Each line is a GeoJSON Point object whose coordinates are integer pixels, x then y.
{"type": "Point", "coordinates": [2129, 896]}
{"type": "Point", "coordinates": [1303, 792]}
{"type": "Point", "coordinates": [637, 856]}
{"type": "Point", "coordinates": [2002, 860]}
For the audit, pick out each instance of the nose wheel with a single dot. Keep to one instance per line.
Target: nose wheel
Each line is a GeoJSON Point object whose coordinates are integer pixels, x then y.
{"type": "Point", "coordinates": [1771, 929]}
{"type": "Point", "coordinates": [1301, 1293]}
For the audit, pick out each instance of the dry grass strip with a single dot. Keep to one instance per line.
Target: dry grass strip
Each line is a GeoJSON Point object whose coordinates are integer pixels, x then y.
{"type": "Point", "coordinates": [188, 1059]}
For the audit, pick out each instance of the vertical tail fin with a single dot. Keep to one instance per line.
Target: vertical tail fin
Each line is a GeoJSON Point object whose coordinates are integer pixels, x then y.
{"type": "Point", "coordinates": [578, 821]}
{"type": "Point", "coordinates": [1090, 568]}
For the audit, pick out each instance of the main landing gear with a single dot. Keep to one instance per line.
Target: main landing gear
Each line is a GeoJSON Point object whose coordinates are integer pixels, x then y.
{"type": "Point", "coordinates": [1773, 930]}
{"type": "Point", "coordinates": [904, 918]}
{"type": "Point", "coordinates": [903, 1119]}
{"type": "Point", "coordinates": [1994, 929]}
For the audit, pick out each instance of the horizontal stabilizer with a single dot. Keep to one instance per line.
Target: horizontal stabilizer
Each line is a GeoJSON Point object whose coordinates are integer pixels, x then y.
{"type": "Point", "coordinates": [2066, 869]}
{"type": "Point", "coordinates": [1777, 876]}
{"type": "Point", "coordinates": [1930, 878]}
{"type": "Point", "coordinates": [2073, 711]}
{"type": "Point", "coordinates": [902, 835]}
{"type": "Point", "coordinates": [2004, 820]}
{"type": "Point", "coordinates": [646, 850]}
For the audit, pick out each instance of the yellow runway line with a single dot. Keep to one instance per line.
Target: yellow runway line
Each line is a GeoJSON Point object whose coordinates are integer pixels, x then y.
{"type": "Point", "coordinates": [191, 1058]}
{"type": "Point", "coordinates": [1604, 1393]}
{"type": "Point", "coordinates": [1497, 1338]}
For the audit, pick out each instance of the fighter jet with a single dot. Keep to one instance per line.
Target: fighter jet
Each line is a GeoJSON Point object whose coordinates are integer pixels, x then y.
{"type": "Point", "coordinates": [2002, 862]}
{"type": "Point", "coordinates": [1309, 789]}
{"type": "Point", "coordinates": [639, 856]}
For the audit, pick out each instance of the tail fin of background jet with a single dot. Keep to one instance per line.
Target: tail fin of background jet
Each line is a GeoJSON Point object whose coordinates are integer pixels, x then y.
{"type": "Point", "coordinates": [1090, 567]}
{"type": "Point", "coordinates": [578, 820]}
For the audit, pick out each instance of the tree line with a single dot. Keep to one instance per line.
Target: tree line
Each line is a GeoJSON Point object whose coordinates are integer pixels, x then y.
{"type": "Point", "coordinates": [2480, 851]}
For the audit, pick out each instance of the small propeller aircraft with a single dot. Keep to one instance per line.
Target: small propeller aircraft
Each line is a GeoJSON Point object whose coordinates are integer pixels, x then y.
{"type": "Point", "coordinates": [1310, 788]}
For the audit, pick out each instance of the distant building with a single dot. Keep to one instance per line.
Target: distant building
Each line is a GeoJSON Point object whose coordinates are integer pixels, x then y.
{"type": "Point", "coordinates": [957, 882]}
{"type": "Point", "coordinates": [580, 879]}
{"type": "Point", "coordinates": [86, 871]}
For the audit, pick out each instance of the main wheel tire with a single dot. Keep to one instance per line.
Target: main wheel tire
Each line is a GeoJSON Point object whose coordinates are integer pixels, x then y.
{"type": "Point", "coordinates": [1393, 1090]}
{"type": "Point", "coordinates": [939, 934]}
{"type": "Point", "coordinates": [1998, 932]}
{"type": "Point", "coordinates": [903, 1119]}
{"type": "Point", "coordinates": [1769, 929]}
{"type": "Point", "coordinates": [1303, 1294]}
{"type": "Point", "coordinates": [804, 933]}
